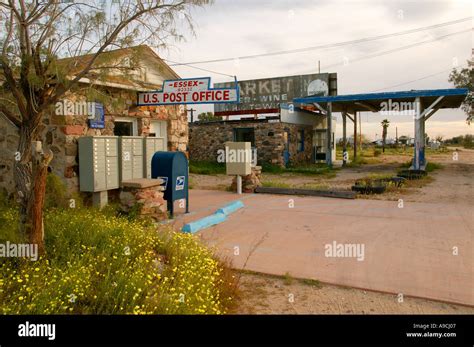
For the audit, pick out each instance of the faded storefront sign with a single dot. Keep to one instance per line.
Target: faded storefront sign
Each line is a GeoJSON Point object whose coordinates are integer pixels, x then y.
{"type": "Point", "coordinates": [268, 93]}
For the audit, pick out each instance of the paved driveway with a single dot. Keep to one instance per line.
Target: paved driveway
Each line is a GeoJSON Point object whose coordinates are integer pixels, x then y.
{"type": "Point", "coordinates": [407, 250]}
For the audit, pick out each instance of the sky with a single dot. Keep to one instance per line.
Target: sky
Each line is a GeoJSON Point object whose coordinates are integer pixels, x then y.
{"type": "Point", "coordinates": [229, 29]}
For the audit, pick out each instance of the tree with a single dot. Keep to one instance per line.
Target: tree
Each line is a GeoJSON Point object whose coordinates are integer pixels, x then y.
{"type": "Point", "coordinates": [385, 124]}
{"type": "Point", "coordinates": [35, 34]}
{"type": "Point", "coordinates": [464, 78]}
{"type": "Point", "coordinates": [404, 139]}
{"type": "Point", "coordinates": [427, 139]}
{"type": "Point", "coordinates": [208, 117]}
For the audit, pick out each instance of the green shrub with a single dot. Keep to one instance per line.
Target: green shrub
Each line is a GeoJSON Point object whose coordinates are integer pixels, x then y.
{"type": "Point", "coordinates": [305, 169]}
{"type": "Point", "coordinates": [430, 166]}
{"type": "Point", "coordinates": [56, 192]}
{"type": "Point", "coordinates": [98, 263]}
{"type": "Point", "coordinates": [271, 168]}
{"type": "Point", "coordinates": [275, 184]}
{"type": "Point", "coordinates": [358, 161]}
{"type": "Point", "coordinates": [206, 167]}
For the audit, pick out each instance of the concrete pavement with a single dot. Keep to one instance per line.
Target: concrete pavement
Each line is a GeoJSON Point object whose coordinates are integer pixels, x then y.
{"type": "Point", "coordinates": [407, 250]}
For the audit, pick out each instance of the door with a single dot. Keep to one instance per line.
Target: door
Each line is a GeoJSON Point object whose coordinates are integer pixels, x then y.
{"type": "Point", "coordinates": [286, 151]}
{"type": "Point", "coordinates": [158, 128]}
{"type": "Point", "coordinates": [245, 135]}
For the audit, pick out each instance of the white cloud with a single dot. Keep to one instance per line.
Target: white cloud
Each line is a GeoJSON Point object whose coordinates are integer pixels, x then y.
{"type": "Point", "coordinates": [239, 28]}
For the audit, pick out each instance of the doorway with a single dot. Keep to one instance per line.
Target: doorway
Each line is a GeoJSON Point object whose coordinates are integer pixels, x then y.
{"type": "Point", "coordinates": [159, 128]}
{"type": "Point", "coordinates": [245, 135]}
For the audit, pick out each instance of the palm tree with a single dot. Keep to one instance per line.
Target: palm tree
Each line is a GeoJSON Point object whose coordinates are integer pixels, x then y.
{"type": "Point", "coordinates": [385, 123]}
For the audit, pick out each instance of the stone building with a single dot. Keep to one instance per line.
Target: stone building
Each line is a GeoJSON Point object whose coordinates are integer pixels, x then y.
{"type": "Point", "coordinates": [63, 126]}
{"type": "Point", "coordinates": [296, 137]}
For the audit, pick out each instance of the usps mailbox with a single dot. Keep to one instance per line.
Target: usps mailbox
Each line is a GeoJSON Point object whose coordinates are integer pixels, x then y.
{"type": "Point", "coordinates": [172, 167]}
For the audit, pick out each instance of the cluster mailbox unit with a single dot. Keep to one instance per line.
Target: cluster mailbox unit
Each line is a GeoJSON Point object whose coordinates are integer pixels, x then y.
{"type": "Point", "coordinates": [131, 159]}
{"type": "Point", "coordinates": [106, 161]}
{"type": "Point", "coordinates": [98, 163]}
{"type": "Point", "coordinates": [152, 145]}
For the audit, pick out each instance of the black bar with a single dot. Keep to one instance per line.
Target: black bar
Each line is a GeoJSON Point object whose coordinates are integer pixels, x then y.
{"type": "Point", "coordinates": [232, 329]}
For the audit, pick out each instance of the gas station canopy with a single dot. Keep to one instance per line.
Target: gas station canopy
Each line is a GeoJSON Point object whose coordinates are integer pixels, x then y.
{"type": "Point", "coordinates": [423, 103]}
{"type": "Point", "coordinates": [452, 98]}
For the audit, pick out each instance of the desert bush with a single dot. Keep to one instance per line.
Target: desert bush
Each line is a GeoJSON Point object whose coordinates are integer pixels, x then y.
{"type": "Point", "coordinates": [99, 263]}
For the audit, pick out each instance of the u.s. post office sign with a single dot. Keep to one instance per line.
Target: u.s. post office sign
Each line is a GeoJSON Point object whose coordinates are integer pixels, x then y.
{"type": "Point", "coordinates": [189, 91]}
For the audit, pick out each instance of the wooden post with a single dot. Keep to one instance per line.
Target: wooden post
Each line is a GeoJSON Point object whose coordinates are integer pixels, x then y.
{"type": "Point", "coordinates": [344, 138]}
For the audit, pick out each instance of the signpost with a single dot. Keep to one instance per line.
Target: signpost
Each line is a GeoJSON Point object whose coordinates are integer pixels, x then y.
{"type": "Point", "coordinates": [189, 91]}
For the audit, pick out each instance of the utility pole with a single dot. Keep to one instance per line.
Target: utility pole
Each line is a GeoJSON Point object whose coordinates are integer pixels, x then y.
{"type": "Point", "coordinates": [360, 133]}
{"type": "Point", "coordinates": [192, 114]}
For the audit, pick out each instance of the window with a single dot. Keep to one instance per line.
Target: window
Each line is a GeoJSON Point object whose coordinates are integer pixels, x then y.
{"type": "Point", "coordinates": [244, 135]}
{"type": "Point", "coordinates": [124, 126]}
{"type": "Point", "coordinates": [301, 140]}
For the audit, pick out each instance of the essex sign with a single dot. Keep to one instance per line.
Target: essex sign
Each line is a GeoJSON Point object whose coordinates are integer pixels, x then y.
{"type": "Point", "coordinates": [189, 91]}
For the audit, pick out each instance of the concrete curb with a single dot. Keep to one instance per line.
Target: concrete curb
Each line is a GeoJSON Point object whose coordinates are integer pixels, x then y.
{"type": "Point", "coordinates": [231, 207]}
{"type": "Point", "coordinates": [203, 223]}
{"type": "Point", "coordinates": [218, 217]}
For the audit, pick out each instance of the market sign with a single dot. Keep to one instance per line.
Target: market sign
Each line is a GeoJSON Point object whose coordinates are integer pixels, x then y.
{"type": "Point", "coordinates": [269, 93]}
{"type": "Point", "coordinates": [189, 91]}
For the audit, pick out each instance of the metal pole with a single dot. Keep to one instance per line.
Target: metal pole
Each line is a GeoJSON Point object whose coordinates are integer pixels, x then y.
{"type": "Point", "coordinates": [239, 184]}
{"type": "Point", "coordinates": [192, 114]}
{"type": "Point", "coordinates": [355, 135]}
{"type": "Point", "coordinates": [344, 138]}
{"type": "Point", "coordinates": [329, 135]}
{"type": "Point", "coordinates": [419, 136]}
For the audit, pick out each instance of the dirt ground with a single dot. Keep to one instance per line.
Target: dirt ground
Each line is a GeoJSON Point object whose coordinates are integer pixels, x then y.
{"type": "Point", "coordinates": [263, 294]}
{"type": "Point", "coordinates": [454, 174]}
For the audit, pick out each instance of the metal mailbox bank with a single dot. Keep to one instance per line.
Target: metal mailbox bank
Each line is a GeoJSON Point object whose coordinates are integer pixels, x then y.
{"type": "Point", "coordinates": [172, 167]}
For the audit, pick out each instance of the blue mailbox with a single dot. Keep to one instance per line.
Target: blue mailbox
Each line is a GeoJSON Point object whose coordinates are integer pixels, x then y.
{"type": "Point", "coordinates": [172, 168]}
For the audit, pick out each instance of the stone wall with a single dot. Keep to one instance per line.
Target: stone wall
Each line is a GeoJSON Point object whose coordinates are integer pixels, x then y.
{"type": "Point", "coordinates": [205, 139]}
{"type": "Point", "coordinates": [9, 138]}
{"type": "Point", "coordinates": [60, 134]}
{"type": "Point", "coordinates": [144, 197]}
